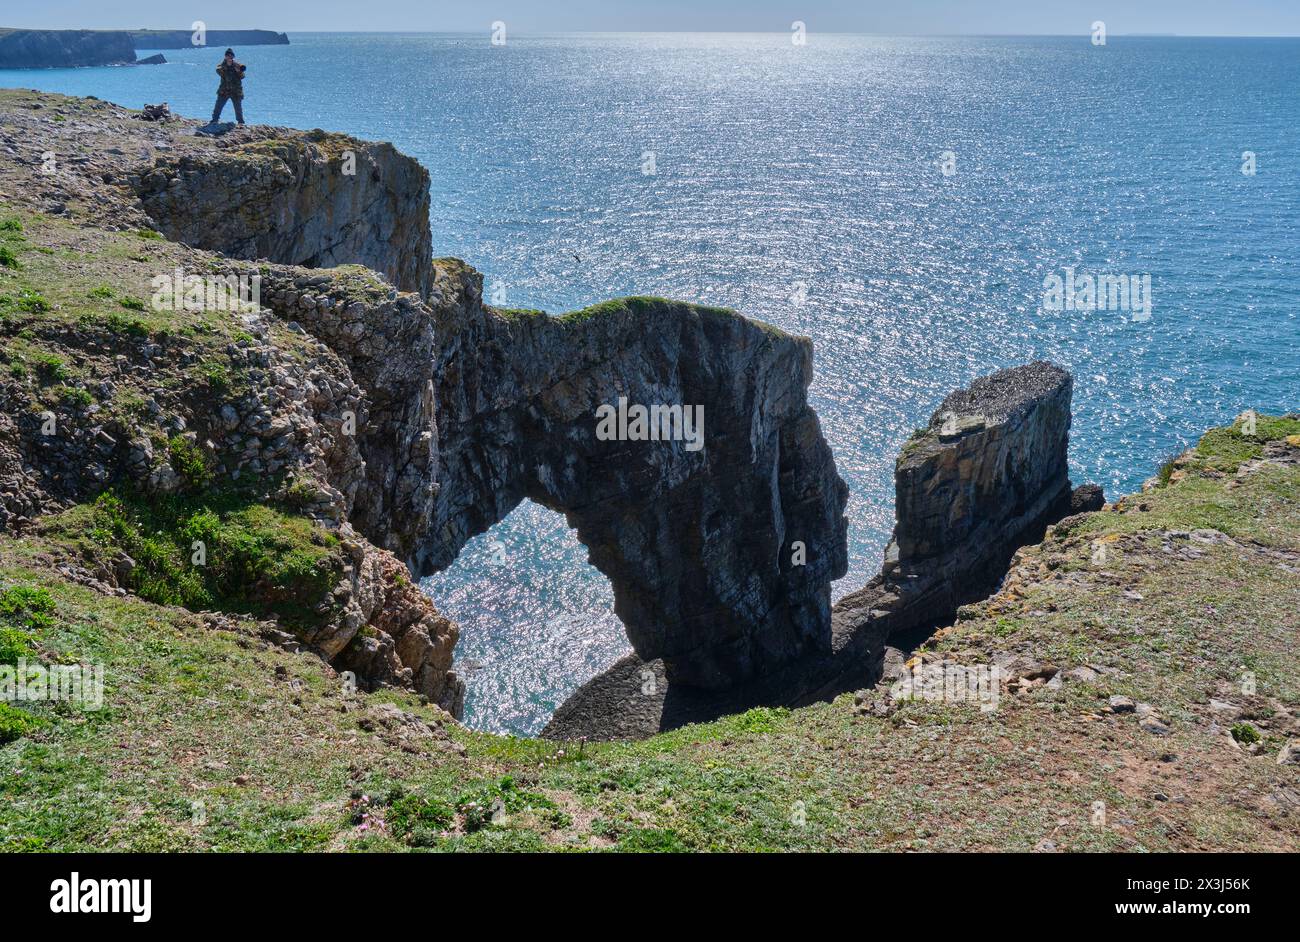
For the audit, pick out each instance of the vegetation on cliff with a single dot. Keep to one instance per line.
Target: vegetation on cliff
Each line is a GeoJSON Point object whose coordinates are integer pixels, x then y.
{"type": "Point", "coordinates": [1196, 597]}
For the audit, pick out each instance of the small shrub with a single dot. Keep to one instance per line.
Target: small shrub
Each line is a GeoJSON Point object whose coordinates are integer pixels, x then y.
{"type": "Point", "coordinates": [25, 301]}
{"type": "Point", "coordinates": [104, 292]}
{"type": "Point", "coordinates": [148, 234]}
{"type": "Point", "coordinates": [217, 376]}
{"type": "Point", "coordinates": [761, 719]}
{"type": "Point", "coordinates": [7, 258]}
{"type": "Point", "coordinates": [15, 645]}
{"type": "Point", "coordinates": [300, 494]}
{"type": "Point", "coordinates": [1003, 627]}
{"type": "Point", "coordinates": [1246, 734]}
{"type": "Point", "coordinates": [121, 324]}
{"type": "Point", "coordinates": [409, 815]}
{"type": "Point", "coordinates": [76, 397]}
{"type": "Point", "coordinates": [50, 367]}
{"type": "Point", "coordinates": [189, 462]}
{"type": "Point", "coordinates": [131, 304]}
{"type": "Point", "coordinates": [15, 723]}
{"type": "Point", "coordinates": [11, 224]}
{"type": "Point", "coordinates": [477, 807]}
{"type": "Point", "coordinates": [25, 606]}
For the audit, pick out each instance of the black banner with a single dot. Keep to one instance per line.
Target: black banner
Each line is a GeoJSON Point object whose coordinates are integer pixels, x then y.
{"type": "Point", "coordinates": [338, 892]}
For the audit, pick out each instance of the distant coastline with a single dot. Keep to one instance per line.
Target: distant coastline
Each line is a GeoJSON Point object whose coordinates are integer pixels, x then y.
{"type": "Point", "coordinates": [71, 48]}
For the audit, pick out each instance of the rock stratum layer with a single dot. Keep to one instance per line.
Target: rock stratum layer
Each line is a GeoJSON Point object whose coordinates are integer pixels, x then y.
{"type": "Point", "coordinates": [313, 199]}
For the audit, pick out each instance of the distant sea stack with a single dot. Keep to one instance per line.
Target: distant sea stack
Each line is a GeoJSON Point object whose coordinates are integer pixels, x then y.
{"type": "Point", "coordinates": [67, 48]}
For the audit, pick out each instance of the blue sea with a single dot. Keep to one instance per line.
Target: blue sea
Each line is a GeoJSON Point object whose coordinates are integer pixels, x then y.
{"type": "Point", "coordinates": [899, 200]}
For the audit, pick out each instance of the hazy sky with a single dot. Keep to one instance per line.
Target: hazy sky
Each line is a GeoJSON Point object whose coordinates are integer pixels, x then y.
{"type": "Point", "coordinates": [1186, 17]}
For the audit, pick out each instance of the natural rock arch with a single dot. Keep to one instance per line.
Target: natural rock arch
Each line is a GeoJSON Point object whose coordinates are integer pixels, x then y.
{"type": "Point", "coordinates": [697, 544]}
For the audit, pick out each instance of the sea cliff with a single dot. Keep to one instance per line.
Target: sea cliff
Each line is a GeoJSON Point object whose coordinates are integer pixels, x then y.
{"type": "Point", "coordinates": [227, 507]}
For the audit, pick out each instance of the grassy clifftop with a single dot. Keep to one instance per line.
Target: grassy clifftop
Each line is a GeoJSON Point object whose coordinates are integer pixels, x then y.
{"type": "Point", "coordinates": [1184, 599]}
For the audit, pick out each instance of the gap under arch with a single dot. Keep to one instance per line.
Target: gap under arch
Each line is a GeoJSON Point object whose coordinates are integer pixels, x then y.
{"type": "Point", "coordinates": [536, 619]}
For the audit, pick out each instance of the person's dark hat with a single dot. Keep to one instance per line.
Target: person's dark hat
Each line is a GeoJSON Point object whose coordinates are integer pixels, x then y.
{"type": "Point", "coordinates": [230, 52]}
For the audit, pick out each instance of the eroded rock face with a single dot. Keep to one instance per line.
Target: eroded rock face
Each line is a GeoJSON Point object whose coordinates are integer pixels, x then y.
{"type": "Point", "coordinates": [311, 199]}
{"type": "Point", "coordinates": [698, 544]}
{"type": "Point", "coordinates": [390, 632]}
{"type": "Point", "coordinates": [386, 341]}
{"type": "Point", "coordinates": [991, 463]}
{"type": "Point", "coordinates": [986, 476]}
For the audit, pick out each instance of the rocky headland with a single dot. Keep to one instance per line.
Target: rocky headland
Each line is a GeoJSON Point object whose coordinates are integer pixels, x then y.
{"type": "Point", "coordinates": [66, 48]}
{"type": "Point", "coordinates": [230, 504]}
{"type": "Point", "coordinates": [408, 419]}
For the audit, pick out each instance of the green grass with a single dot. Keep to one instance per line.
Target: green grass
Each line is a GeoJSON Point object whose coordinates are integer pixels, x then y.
{"type": "Point", "coordinates": [23, 301]}
{"type": "Point", "coordinates": [15, 724]}
{"type": "Point", "coordinates": [50, 368]}
{"type": "Point", "coordinates": [211, 549]}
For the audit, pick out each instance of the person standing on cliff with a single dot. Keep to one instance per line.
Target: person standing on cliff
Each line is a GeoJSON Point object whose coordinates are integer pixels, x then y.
{"type": "Point", "coordinates": [232, 87]}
